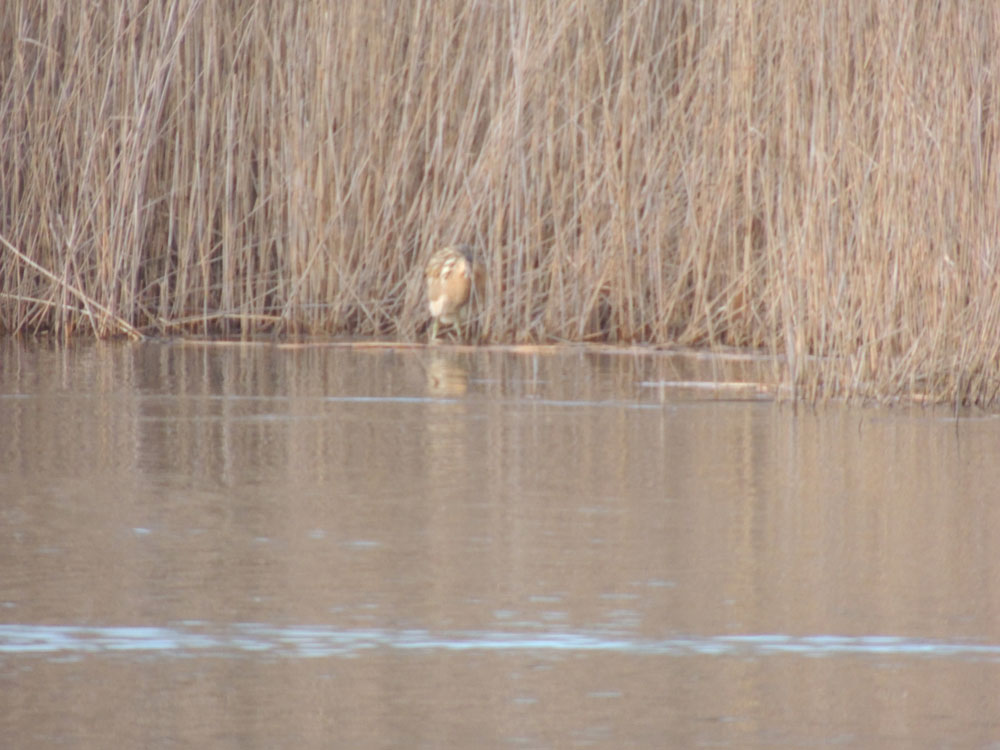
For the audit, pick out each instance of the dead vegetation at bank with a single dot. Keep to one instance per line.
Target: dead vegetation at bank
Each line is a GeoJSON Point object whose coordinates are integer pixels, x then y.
{"type": "Point", "coordinates": [814, 181]}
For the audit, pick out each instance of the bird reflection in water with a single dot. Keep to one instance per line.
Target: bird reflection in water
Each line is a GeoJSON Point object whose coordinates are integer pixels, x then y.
{"type": "Point", "coordinates": [447, 376]}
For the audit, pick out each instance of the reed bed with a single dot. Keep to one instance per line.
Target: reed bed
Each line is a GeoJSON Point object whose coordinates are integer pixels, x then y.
{"type": "Point", "coordinates": [816, 181]}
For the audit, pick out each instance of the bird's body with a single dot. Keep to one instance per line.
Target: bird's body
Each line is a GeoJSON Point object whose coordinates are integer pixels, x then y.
{"type": "Point", "coordinates": [454, 278]}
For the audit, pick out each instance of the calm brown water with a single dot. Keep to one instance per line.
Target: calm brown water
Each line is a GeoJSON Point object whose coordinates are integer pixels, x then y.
{"type": "Point", "coordinates": [224, 546]}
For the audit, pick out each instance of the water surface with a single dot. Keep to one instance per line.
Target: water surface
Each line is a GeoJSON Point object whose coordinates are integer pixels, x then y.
{"type": "Point", "coordinates": [264, 545]}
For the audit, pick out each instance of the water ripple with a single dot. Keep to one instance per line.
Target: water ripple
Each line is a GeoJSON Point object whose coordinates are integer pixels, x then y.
{"type": "Point", "coordinates": [203, 639]}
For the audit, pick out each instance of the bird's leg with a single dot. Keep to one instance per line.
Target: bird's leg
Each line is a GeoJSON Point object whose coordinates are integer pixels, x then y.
{"type": "Point", "coordinates": [434, 331]}
{"type": "Point", "coordinates": [472, 325]}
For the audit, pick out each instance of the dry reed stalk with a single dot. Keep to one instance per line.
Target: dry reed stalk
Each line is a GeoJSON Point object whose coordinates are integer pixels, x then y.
{"type": "Point", "coordinates": [811, 180]}
{"type": "Point", "coordinates": [88, 303]}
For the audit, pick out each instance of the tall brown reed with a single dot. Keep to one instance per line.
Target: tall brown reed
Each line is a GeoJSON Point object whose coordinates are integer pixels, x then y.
{"type": "Point", "coordinates": [813, 180]}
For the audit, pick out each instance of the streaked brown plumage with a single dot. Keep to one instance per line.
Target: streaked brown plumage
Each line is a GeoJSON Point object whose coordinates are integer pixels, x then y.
{"type": "Point", "coordinates": [454, 278]}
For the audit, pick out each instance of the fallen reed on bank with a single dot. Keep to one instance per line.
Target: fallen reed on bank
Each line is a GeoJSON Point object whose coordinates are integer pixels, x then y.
{"type": "Point", "coordinates": [813, 180]}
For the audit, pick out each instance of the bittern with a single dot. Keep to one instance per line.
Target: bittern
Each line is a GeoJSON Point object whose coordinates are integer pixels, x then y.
{"type": "Point", "coordinates": [454, 279]}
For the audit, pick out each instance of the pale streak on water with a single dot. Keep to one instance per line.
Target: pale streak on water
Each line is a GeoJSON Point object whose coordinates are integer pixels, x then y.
{"type": "Point", "coordinates": [193, 639]}
{"type": "Point", "coordinates": [260, 545]}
